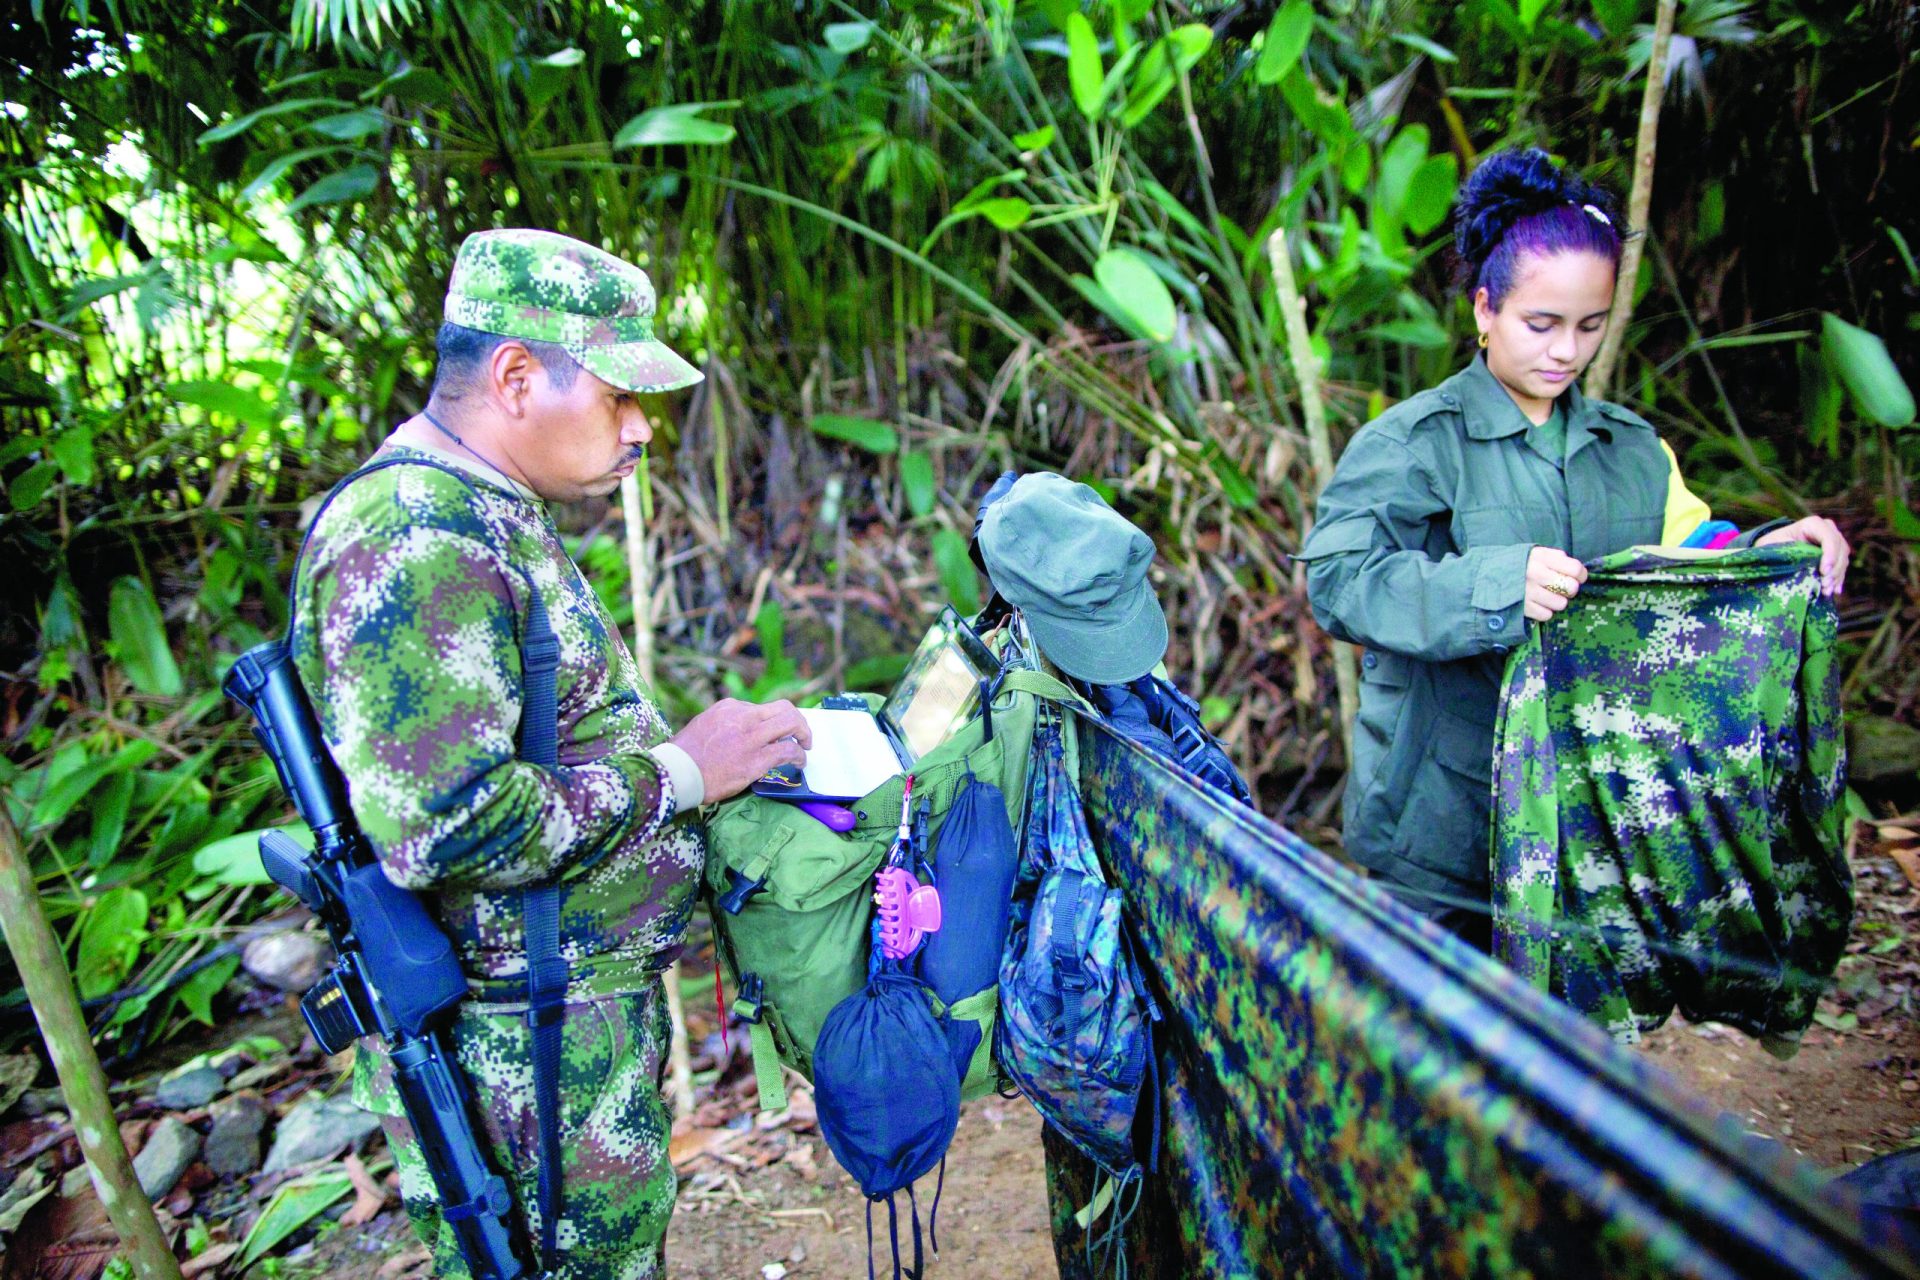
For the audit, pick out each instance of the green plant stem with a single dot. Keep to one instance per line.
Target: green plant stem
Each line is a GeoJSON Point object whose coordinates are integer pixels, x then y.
{"type": "Point", "coordinates": [1306, 371]}
{"type": "Point", "coordinates": [1639, 201]}
{"type": "Point", "coordinates": [56, 1007]}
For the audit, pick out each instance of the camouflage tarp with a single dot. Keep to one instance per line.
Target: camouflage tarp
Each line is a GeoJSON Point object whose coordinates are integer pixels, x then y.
{"type": "Point", "coordinates": [1346, 1091]}
{"type": "Point", "coordinates": [1667, 787]}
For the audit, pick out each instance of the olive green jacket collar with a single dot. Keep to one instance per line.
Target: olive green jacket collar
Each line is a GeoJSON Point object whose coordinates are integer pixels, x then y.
{"type": "Point", "coordinates": [1491, 413]}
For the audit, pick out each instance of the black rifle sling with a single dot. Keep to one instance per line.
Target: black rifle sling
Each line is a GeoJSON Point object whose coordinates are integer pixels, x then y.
{"type": "Point", "coordinates": [540, 905]}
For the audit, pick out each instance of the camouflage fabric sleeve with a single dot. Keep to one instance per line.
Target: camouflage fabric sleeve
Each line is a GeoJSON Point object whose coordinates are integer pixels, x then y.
{"type": "Point", "coordinates": [418, 641]}
{"type": "Point", "coordinates": [1371, 580]}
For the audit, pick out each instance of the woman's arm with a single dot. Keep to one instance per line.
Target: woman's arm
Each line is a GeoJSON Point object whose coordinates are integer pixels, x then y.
{"type": "Point", "coordinates": [1371, 580]}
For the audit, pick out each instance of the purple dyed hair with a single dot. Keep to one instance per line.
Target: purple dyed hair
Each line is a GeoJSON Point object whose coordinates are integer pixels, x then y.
{"type": "Point", "coordinates": [1520, 203]}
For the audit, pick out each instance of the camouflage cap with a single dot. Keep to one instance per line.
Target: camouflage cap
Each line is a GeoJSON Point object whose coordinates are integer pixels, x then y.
{"type": "Point", "coordinates": [547, 287]}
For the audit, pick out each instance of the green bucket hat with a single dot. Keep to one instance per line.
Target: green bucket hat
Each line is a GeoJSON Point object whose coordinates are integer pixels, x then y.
{"type": "Point", "coordinates": [1078, 571]}
{"type": "Point", "coordinates": [547, 287]}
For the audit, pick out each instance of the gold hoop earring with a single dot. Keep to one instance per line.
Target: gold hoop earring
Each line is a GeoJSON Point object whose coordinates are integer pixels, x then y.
{"type": "Point", "coordinates": [1483, 341]}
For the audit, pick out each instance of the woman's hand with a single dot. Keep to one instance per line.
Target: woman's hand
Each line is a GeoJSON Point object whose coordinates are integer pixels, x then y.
{"type": "Point", "coordinates": [1553, 579]}
{"type": "Point", "coordinates": [1824, 534]}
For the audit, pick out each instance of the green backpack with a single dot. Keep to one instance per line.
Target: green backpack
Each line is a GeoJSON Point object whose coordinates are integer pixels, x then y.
{"type": "Point", "coordinates": [799, 945]}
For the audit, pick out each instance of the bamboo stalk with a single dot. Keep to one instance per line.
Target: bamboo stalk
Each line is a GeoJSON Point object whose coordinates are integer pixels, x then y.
{"type": "Point", "coordinates": [639, 571]}
{"type": "Point", "coordinates": [56, 1007]}
{"type": "Point", "coordinates": [1600, 372]}
{"type": "Point", "coordinates": [1306, 372]}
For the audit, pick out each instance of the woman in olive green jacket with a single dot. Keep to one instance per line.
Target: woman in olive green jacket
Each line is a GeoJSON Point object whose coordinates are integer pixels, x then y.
{"type": "Point", "coordinates": [1464, 514]}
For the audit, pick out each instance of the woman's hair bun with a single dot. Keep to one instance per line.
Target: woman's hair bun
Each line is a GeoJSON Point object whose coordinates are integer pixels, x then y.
{"type": "Point", "coordinates": [1507, 187]}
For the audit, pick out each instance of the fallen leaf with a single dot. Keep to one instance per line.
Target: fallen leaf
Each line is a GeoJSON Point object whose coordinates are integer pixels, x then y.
{"type": "Point", "coordinates": [17, 1071]}
{"type": "Point", "coordinates": [1909, 862]}
{"type": "Point", "coordinates": [369, 1198]}
{"type": "Point", "coordinates": [695, 1143]}
{"type": "Point", "coordinates": [209, 1259]}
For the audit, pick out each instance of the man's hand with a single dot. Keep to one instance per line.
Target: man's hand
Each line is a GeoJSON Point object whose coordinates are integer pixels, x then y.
{"type": "Point", "coordinates": [1824, 534]}
{"type": "Point", "coordinates": [737, 743]}
{"type": "Point", "coordinates": [1553, 578]}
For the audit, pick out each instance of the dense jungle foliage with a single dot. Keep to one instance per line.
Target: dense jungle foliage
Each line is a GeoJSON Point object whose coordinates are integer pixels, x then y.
{"type": "Point", "coordinates": [911, 246]}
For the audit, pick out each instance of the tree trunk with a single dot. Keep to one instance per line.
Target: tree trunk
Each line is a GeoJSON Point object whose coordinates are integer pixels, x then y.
{"type": "Point", "coordinates": [1600, 373]}
{"type": "Point", "coordinates": [679, 1054]}
{"type": "Point", "coordinates": [1306, 372]}
{"type": "Point", "coordinates": [43, 972]}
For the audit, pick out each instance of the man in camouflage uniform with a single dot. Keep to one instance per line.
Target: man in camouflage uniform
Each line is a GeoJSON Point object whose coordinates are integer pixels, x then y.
{"type": "Point", "coordinates": [409, 612]}
{"type": "Point", "coordinates": [1667, 795]}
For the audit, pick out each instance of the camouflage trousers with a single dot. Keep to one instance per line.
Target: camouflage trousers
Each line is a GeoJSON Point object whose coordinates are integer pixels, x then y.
{"type": "Point", "coordinates": [617, 1184]}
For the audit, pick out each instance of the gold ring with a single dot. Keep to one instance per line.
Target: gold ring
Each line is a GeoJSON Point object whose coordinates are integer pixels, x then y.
{"type": "Point", "coordinates": [1560, 589]}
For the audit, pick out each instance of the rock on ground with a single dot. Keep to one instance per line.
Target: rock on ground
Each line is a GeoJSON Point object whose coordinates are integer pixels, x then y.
{"type": "Point", "coordinates": [291, 961]}
{"type": "Point", "coordinates": [233, 1144]}
{"type": "Point", "coordinates": [316, 1129]}
{"type": "Point", "coordinates": [171, 1147]}
{"type": "Point", "coordinates": [195, 1088]}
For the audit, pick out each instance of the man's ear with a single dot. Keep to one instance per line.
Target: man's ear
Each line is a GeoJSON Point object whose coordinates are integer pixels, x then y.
{"type": "Point", "coordinates": [510, 370]}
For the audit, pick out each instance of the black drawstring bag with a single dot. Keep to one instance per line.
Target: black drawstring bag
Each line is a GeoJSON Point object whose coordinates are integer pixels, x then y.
{"type": "Point", "coordinates": [887, 1096]}
{"type": "Point", "coordinates": [974, 862]}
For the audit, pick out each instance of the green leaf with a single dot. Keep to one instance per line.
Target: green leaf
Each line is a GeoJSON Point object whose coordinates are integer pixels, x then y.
{"type": "Point", "coordinates": [350, 183]}
{"type": "Point", "coordinates": [1413, 332]}
{"type": "Point", "coordinates": [1903, 522]}
{"type": "Point", "coordinates": [1009, 213]}
{"type": "Point", "coordinates": [1438, 52]}
{"type": "Point", "coordinates": [1037, 140]}
{"type": "Point", "coordinates": [1234, 483]}
{"type": "Point", "coordinates": [235, 859]}
{"type": "Point", "coordinates": [110, 806]}
{"type": "Point", "coordinates": [30, 487]}
{"type": "Point", "coordinates": [196, 993]}
{"type": "Point", "coordinates": [73, 450]}
{"type": "Point", "coordinates": [110, 939]}
{"type": "Point", "coordinates": [957, 574]}
{"type": "Point", "coordinates": [1356, 167]}
{"type": "Point", "coordinates": [293, 1206]}
{"type": "Point", "coordinates": [348, 125]}
{"type": "Point", "coordinates": [1170, 56]}
{"type": "Point", "coordinates": [1430, 192]}
{"type": "Point", "coordinates": [1286, 41]}
{"type": "Point", "coordinates": [1861, 360]}
{"type": "Point", "coordinates": [1399, 162]}
{"type": "Point", "coordinates": [234, 128]}
{"type": "Point", "coordinates": [224, 398]}
{"type": "Point", "coordinates": [864, 433]}
{"type": "Point", "coordinates": [916, 477]}
{"type": "Point", "coordinates": [1084, 72]}
{"type": "Point", "coordinates": [881, 672]}
{"type": "Point", "coordinates": [1530, 11]}
{"type": "Point", "coordinates": [1137, 291]}
{"type": "Point", "coordinates": [567, 57]}
{"type": "Point", "coordinates": [69, 789]}
{"type": "Point", "coordinates": [139, 638]}
{"type": "Point", "coordinates": [848, 37]}
{"type": "Point", "coordinates": [677, 125]}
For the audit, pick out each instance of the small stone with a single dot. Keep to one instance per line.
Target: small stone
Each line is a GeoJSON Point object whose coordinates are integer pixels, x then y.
{"type": "Point", "coordinates": [291, 961]}
{"type": "Point", "coordinates": [195, 1088]}
{"type": "Point", "coordinates": [233, 1144]}
{"type": "Point", "coordinates": [773, 1271]}
{"type": "Point", "coordinates": [317, 1129]}
{"type": "Point", "coordinates": [171, 1147]}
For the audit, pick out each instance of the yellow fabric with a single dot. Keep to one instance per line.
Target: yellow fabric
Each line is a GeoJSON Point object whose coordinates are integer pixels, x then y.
{"type": "Point", "coordinates": [1685, 511]}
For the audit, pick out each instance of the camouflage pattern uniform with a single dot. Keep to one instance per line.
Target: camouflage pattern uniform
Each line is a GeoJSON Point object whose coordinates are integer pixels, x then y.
{"type": "Point", "coordinates": [1667, 795]}
{"type": "Point", "coordinates": [408, 615]}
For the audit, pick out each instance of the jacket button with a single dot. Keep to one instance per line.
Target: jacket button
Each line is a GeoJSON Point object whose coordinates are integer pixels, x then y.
{"type": "Point", "coordinates": [1496, 622]}
{"type": "Point", "coordinates": [1371, 661]}
{"type": "Point", "coordinates": [1499, 648]}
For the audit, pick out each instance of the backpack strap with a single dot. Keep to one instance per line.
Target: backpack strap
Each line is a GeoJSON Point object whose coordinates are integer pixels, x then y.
{"type": "Point", "coordinates": [1042, 686]}
{"type": "Point", "coordinates": [540, 905]}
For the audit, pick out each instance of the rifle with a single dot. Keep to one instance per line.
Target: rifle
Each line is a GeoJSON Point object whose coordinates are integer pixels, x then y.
{"type": "Point", "coordinates": [397, 974]}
